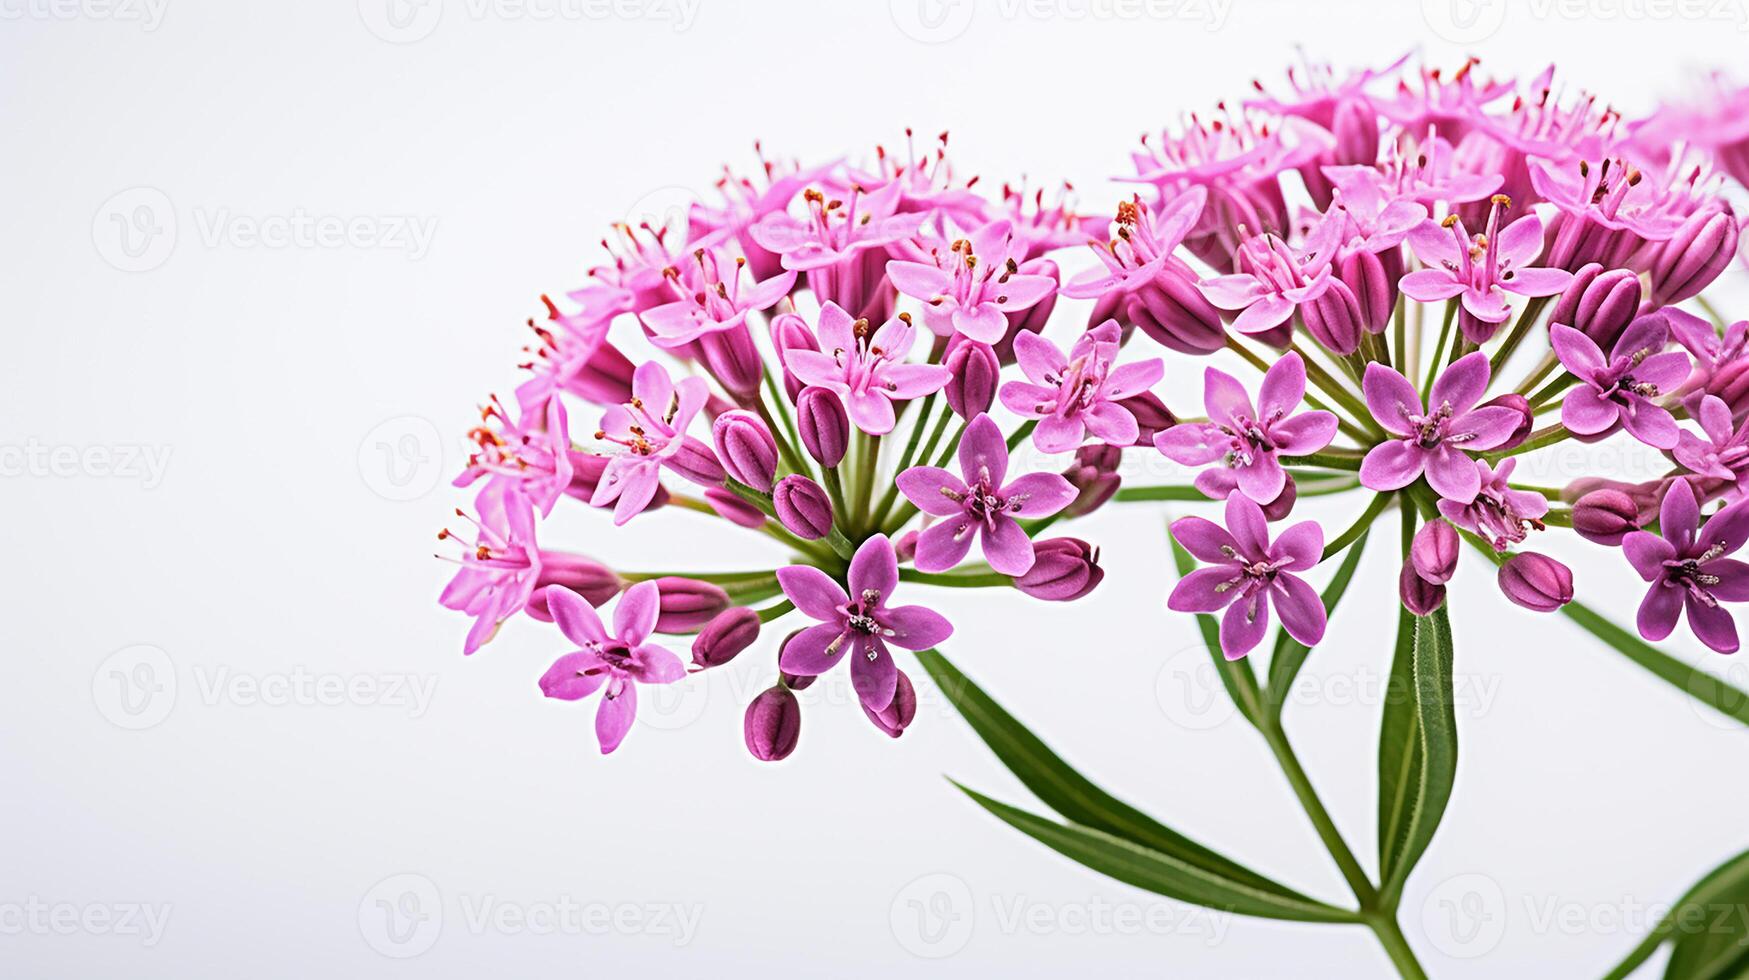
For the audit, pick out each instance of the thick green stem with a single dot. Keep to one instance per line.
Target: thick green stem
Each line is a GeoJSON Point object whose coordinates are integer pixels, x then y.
{"type": "Point", "coordinates": [1439, 348]}
{"type": "Point", "coordinates": [1329, 459]}
{"type": "Point", "coordinates": [1359, 527]}
{"type": "Point", "coordinates": [1540, 439]}
{"type": "Point", "coordinates": [1527, 319]}
{"type": "Point", "coordinates": [957, 580]}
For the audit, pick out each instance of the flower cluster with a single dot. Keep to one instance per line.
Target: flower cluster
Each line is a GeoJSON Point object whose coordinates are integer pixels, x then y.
{"type": "Point", "coordinates": [842, 358]}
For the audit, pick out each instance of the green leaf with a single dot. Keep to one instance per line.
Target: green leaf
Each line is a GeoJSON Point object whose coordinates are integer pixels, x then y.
{"type": "Point", "coordinates": [1068, 792]}
{"type": "Point", "coordinates": [1157, 871]}
{"type": "Point", "coordinates": [1290, 654]}
{"type": "Point", "coordinates": [1417, 747]}
{"type": "Point", "coordinates": [1710, 926]}
{"type": "Point", "coordinates": [1236, 675]}
{"type": "Point", "coordinates": [1700, 685]}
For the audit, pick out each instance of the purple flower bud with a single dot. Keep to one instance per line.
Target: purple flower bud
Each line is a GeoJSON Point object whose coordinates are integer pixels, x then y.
{"type": "Point", "coordinates": [587, 577]}
{"type": "Point", "coordinates": [697, 463]}
{"type": "Point", "coordinates": [971, 389]}
{"type": "Point", "coordinates": [1419, 596]}
{"type": "Point", "coordinates": [772, 724]}
{"type": "Point", "coordinates": [1599, 303]}
{"type": "Point", "coordinates": [895, 717]}
{"type": "Point", "coordinates": [1695, 256]}
{"type": "Point", "coordinates": [730, 356]}
{"type": "Point", "coordinates": [1033, 318]}
{"type": "Point", "coordinates": [1606, 516]}
{"type": "Point", "coordinates": [1094, 477]}
{"type": "Point", "coordinates": [1434, 552]}
{"type": "Point", "coordinates": [905, 549]}
{"type": "Point", "coordinates": [1520, 404]}
{"type": "Point", "coordinates": [716, 405]}
{"type": "Point", "coordinates": [605, 378]}
{"type": "Point", "coordinates": [790, 332]}
{"type": "Point", "coordinates": [1536, 581]}
{"type": "Point", "coordinates": [687, 603]}
{"type": "Point", "coordinates": [725, 636]}
{"type": "Point", "coordinates": [734, 508]}
{"type": "Point", "coordinates": [1372, 279]}
{"type": "Point", "coordinates": [1335, 319]}
{"type": "Point", "coordinates": [824, 425]}
{"type": "Point", "coordinates": [803, 507]}
{"type": "Point", "coordinates": [794, 682]}
{"type": "Point", "coordinates": [1730, 384]}
{"type": "Point", "coordinates": [1063, 569]}
{"type": "Point", "coordinates": [1176, 314]}
{"type": "Point", "coordinates": [1152, 416]}
{"type": "Point", "coordinates": [1283, 504]}
{"type": "Point", "coordinates": [746, 447]}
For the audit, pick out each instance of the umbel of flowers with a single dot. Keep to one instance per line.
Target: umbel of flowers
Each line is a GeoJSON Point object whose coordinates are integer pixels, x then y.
{"type": "Point", "coordinates": [1433, 275]}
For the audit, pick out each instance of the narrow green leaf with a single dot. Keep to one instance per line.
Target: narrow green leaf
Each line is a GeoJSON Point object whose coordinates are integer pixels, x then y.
{"type": "Point", "coordinates": [1399, 745]}
{"type": "Point", "coordinates": [1290, 654]}
{"type": "Point", "coordinates": [1236, 675]}
{"type": "Point", "coordinates": [1156, 871]}
{"type": "Point", "coordinates": [1069, 793]}
{"type": "Point", "coordinates": [1421, 802]}
{"type": "Point", "coordinates": [1710, 926]}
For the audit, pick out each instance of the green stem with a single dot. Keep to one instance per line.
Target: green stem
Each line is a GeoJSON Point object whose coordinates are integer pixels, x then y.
{"type": "Point", "coordinates": [1539, 439]}
{"type": "Point", "coordinates": [1359, 527]}
{"type": "Point", "coordinates": [785, 432]}
{"type": "Point", "coordinates": [777, 611]}
{"type": "Point", "coordinates": [910, 455]}
{"type": "Point", "coordinates": [957, 580]}
{"type": "Point", "coordinates": [1550, 390]}
{"type": "Point", "coordinates": [1549, 363]}
{"type": "Point", "coordinates": [1329, 459]}
{"type": "Point", "coordinates": [1439, 347]}
{"type": "Point", "coordinates": [1527, 319]}
{"type": "Point", "coordinates": [865, 480]}
{"type": "Point", "coordinates": [1316, 374]}
{"type": "Point", "coordinates": [1399, 337]}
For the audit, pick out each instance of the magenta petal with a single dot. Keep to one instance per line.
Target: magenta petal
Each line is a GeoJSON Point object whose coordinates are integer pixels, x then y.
{"type": "Point", "coordinates": [1391, 465]}
{"type": "Point", "coordinates": [983, 452]}
{"type": "Point", "coordinates": [1284, 386]}
{"type": "Point", "coordinates": [1577, 352]}
{"type": "Point", "coordinates": [1204, 590]}
{"type": "Point", "coordinates": [1452, 474]}
{"type": "Point", "coordinates": [635, 616]}
{"type": "Point", "coordinates": [1300, 608]}
{"type": "Point", "coordinates": [1056, 434]}
{"type": "Point", "coordinates": [575, 617]}
{"type": "Point", "coordinates": [1194, 443]}
{"type": "Point", "coordinates": [1203, 538]}
{"type": "Point", "coordinates": [929, 486]}
{"type": "Point", "coordinates": [655, 665]}
{"type": "Point", "coordinates": [1006, 546]}
{"type": "Point", "coordinates": [1266, 313]}
{"type": "Point", "coordinates": [1712, 624]}
{"type": "Point", "coordinates": [1679, 516]}
{"type": "Point", "coordinates": [1586, 412]}
{"type": "Point", "coordinates": [1391, 398]}
{"type": "Point", "coordinates": [1304, 543]}
{"type": "Point", "coordinates": [1652, 425]}
{"type": "Point", "coordinates": [1430, 286]}
{"type": "Point", "coordinates": [1303, 434]}
{"type": "Point", "coordinates": [619, 705]}
{"type": "Point", "coordinates": [814, 592]}
{"type": "Point", "coordinates": [1462, 384]}
{"type": "Point", "coordinates": [1038, 495]}
{"type": "Point", "coordinates": [572, 677]}
{"type": "Point", "coordinates": [1647, 553]}
{"type": "Point", "coordinates": [1733, 579]}
{"type": "Point", "coordinates": [1264, 479]}
{"type": "Point", "coordinates": [1039, 359]}
{"type": "Point", "coordinates": [1112, 424]}
{"type": "Point", "coordinates": [1244, 626]}
{"type": "Point", "coordinates": [915, 627]}
{"type": "Point", "coordinates": [1728, 528]}
{"type": "Point", "coordinates": [1224, 398]}
{"type": "Point", "coordinates": [1659, 611]}
{"type": "Point", "coordinates": [815, 650]}
{"type": "Point", "coordinates": [873, 673]}
{"type": "Point", "coordinates": [943, 545]}
{"type": "Point", "coordinates": [871, 411]}
{"type": "Point", "coordinates": [874, 568]}
{"type": "Point", "coordinates": [1245, 521]}
{"type": "Point", "coordinates": [1487, 427]}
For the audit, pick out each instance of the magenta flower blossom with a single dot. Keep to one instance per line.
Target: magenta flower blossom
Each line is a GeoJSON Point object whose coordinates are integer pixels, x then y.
{"type": "Point", "coordinates": [535, 459]}
{"type": "Point", "coordinates": [1274, 279]}
{"type": "Point", "coordinates": [835, 231]}
{"type": "Point", "coordinates": [1076, 395]}
{"type": "Point", "coordinates": [1724, 453]}
{"type": "Point", "coordinates": [1435, 440]}
{"type": "Point", "coordinates": [652, 429]}
{"type": "Point", "coordinates": [866, 368]}
{"type": "Point", "coordinates": [1481, 270]}
{"type": "Point", "coordinates": [744, 205]}
{"type": "Point", "coordinates": [500, 567]}
{"type": "Point", "coordinates": [1249, 573]}
{"type": "Point", "coordinates": [1499, 513]}
{"type": "Point", "coordinates": [858, 625]}
{"type": "Point", "coordinates": [1689, 571]}
{"type": "Point", "coordinates": [1142, 279]}
{"type": "Point", "coordinates": [981, 505]}
{"type": "Point", "coordinates": [1619, 391]}
{"type": "Point", "coordinates": [575, 359]}
{"type": "Point", "coordinates": [973, 286]}
{"type": "Point", "coordinates": [1428, 172]}
{"type": "Point", "coordinates": [1246, 441]}
{"type": "Point", "coordinates": [1720, 365]}
{"type": "Point", "coordinates": [712, 299]}
{"type": "Point", "coordinates": [1608, 212]}
{"type": "Point", "coordinates": [612, 663]}
{"type": "Point", "coordinates": [1375, 216]}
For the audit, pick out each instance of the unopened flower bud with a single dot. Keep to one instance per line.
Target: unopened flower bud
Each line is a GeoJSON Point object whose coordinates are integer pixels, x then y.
{"type": "Point", "coordinates": [790, 332]}
{"type": "Point", "coordinates": [824, 425]}
{"type": "Point", "coordinates": [1606, 516]}
{"type": "Point", "coordinates": [1519, 404]}
{"type": "Point", "coordinates": [1536, 581]}
{"type": "Point", "coordinates": [772, 724]}
{"type": "Point", "coordinates": [894, 718]}
{"type": "Point", "coordinates": [1599, 303]}
{"type": "Point", "coordinates": [592, 580]}
{"type": "Point", "coordinates": [734, 508]}
{"type": "Point", "coordinates": [687, 603]}
{"type": "Point", "coordinates": [1419, 596]}
{"type": "Point", "coordinates": [803, 507]}
{"type": "Point", "coordinates": [697, 463]}
{"type": "Point", "coordinates": [1094, 477]}
{"type": "Point", "coordinates": [1283, 504]}
{"type": "Point", "coordinates": [1152, 416]}
{"type": "Point", "coordinates": [1372, 279]}
{"type": "Point", "coordinates": [971, 385]}
{"type": "Point", "coordinates": [795, 682]}
{"type": "Point", "coordinates": [1695, 256]}
{"type": "Point", "coordinates": [1434, 552]}
{"type": "Point", "coordinates": [905, 549]}
{"type": "Point", "coordinates": [1175, 313]}
{"type": "Point", "coordinates": [1063, 569]}
{"type": "Point", "coordinates": [1335, 319]}
{"type": "Point", "coordinates": [746, 448]}
{"type": "Point", "coordinates": [733, 359]}
{"type": "Point", "coordinates": [725, 636]}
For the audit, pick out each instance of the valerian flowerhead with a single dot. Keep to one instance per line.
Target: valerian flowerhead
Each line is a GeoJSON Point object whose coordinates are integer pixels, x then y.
{"type": "Point", "coordinates": [1247, 573]}
{"type": "Point", "coordinates": [1246, 443]}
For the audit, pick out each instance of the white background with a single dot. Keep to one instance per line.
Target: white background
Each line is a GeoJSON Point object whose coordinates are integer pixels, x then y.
{"type": "Point", "coordinates": [278, 543]}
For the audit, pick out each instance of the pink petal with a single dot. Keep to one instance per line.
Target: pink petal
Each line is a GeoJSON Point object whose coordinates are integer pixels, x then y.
{"type": "Point", "coordinates": [1391, 398]}
{"type": "Point", "coordinates": [944, 545]}
{"type": "Point", "coordinates": [635, 616]}
{"type": "Point", "coordinates": [1225, 399]}
{"type": "Point", "coordinates": [1039, 359]}
{"type": "Point", "coordinates": [1537, 282]}
{"type": "Point", "coordinates": [1451, 474]}
{"type": "Point", "coordinates": [1303, 434]}
{"type": "Point", "coordinates": [1127, 380]}
{"type": "Point", "coordinates": [813, 591]}
{"type": "Point", "coordinates": [1462, 384]}
{"type": "Point", "coordinates": [1233, 292]}
{"type": "Point", "coordinates": [1112, 424]}
{"type": "Point", "coordinates": [983, 453]}
{"type": "Point", "coordinates": [575, 617]}
{"type": "Point", "coordinates": [917, 280]}
{"type": "Point", "coordinates": [1430, 285]}
{"type": "Point", "coordinates": [1304, 543]}
{"type": "Point", "coordinates": [1659, 611]}
{"type": "Point", "coordinates": [656, 665]}
{"type": "Point", "coordinates": [1244, 626]}
{"type": "Point", "coordinates": [1203, 538]}
{"type": "Point", "coordinates": [928, 487]}
{"type": "Point", "coordinates": [873, 673]}
{"type": "Point", "coordinates": [1195, 443]}
{"type": "Point", "coordinates": [1300, 608]}
{"type": "Point", "coordinates": [815, 650]}
{"type": "Point", "coordinates": [916, 627]}
{"type": "Point", "coordinates": [874, 568]}
{"type": "Point", "coordinates": [1520, 242]}
{"type": "Point", "coordinates": [1284, 386]}
{"type": "Point", "coordinates": [1391, 465]}
{"type": "Point", "coordinates": [907, 381]}
{"type": "Point", "coordinates": [872, 412]}
{"type": "Point", "coordinates": [1577, 352]}
{"type": "Point", "coordinates": [571, 677]}
{"type": "Point", "coordinates": [1679, 516]}
{"type": "Point", "coordinates": [1246, 523]}
{"type": "Point", "coordinates": [1647, 553]}
{"type": "Point", "coordinates": [1204, 590]}
{"type": "Point", "coordinates": [1586, 412]}
{"type": "Point", "coordinates": [613, 719]}
{"type": "Point", "coordinates": [1037, 495]}
{"type": "Point", "coordinates": [1006, 546]}
{"type": "Point", "coordinates": [1266, 313]}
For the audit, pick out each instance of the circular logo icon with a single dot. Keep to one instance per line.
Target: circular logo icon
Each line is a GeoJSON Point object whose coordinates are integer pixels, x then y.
{"type": "Point", "coordinates": [671, 707]}
{"type": "Point", "coordinates": [1190, 692]}
{"type": "Point", "coordinates": [1465, 916]}
{"type": "Point", "coordinates": [401, 21]}
{"type": "Point", "coordinates": [1731, 698]}
{"type": "Point", "coordinates": [135, 230]}
{"type": "Point", "coordinates": [933, 916]}
{"type": "Point", "coordinates": [401, 916]}
{"type": "Point", "coordinates": [402, 459]}
{"type": "Point", "coordinates": [1464, 21]}
{"type": "Point", "coordinates": [932, 21]}
{"type": "Point", "coordinates": [135, 687]}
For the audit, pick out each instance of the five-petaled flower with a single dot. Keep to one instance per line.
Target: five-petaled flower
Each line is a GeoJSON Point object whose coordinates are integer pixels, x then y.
{"type": "Point", "coordinates": [866, 367]}
{"type": "Point", "coordinates": [1246, 442]}
{"type": "Point", "coordinates": [1435, 440]}
{"type": "Point", "coordinates": [1481, 269]}
{"type": "Point", "coordinates": [1618, 390]}
{"type": "Point", "coordinates": [1688, 569]}
{"type": "Point", "coordinates": [712, 299]}
{"type": "Point", "coordinates": [652, 429]}
{"type": "Point", "coordinates": [1078, 394]}
{"type": "Point", "coordinates": [1248, 573]}
{"type": "Point", "coordinates": [612, 663]}
{"type": "Point", "coordinates": [1499, 513]}
{"type": "Point", "coordinates": [971, 286]}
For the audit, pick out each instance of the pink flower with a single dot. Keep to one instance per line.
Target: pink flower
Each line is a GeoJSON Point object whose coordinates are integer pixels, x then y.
{"type": "Point", "coordinates": [652, 429]}
{"type": "Point", "coordinates": [1723, 454]}
{"type": "Point", "coordinates": [1688, 569]}
{"type": "Point", "coordinates": [859, 624]}
{"type": "Point", "coordinates": [1246, 441]}
{"type": "Point", "coordinates": [1248, 573]}
{"type": "Point", "coordinates": [1434, 440]}
{"type": "Point", "coordinates": [1143, 281]}
{"type": "Point", "coordinates": [535, 459]}
{"type": "Point", "coordinates": [500, 567]}
{"type": "Point", "coordinates": [574, 358]}
{"type": "Point", "coordinates": [1620, 390]}
{"type": "Point", "coordinates": [981, 505]}
{"type": "Point", "coordinates": [1499, 513]}
{"type": "Point", "coordinates": [1481, 269]}
{"type": "Point", "coordinates": [1608, 212]}
{"type": "Point", "coordinates": [744, 205]}
{"type": "Point", "coordinates": [1375, 216]}
{"type": "Point", "coordinates": [709, 304]}
{"type": "Point", "coordinates": [1078, 394]}
{"type": "Point", "coordinates": [612, 663]}
{"type": "Point", "coordinates": [866, 367]}
{"type": "Point", "coordinates": [973, 286]}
